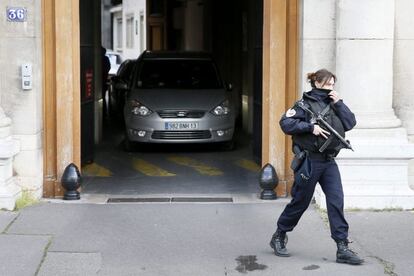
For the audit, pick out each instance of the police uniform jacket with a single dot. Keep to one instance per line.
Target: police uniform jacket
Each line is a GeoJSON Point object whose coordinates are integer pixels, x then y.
{"type": "Point", "coordinates": [297, 122]}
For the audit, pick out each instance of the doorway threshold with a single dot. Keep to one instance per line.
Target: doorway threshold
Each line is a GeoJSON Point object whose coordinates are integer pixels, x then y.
{"type": "Point", "coordinates": [170, 199]}
{"type": "Point", "coordinates": [232, 198]}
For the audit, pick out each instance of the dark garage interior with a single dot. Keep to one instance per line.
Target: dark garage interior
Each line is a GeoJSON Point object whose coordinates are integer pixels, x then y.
{"type": "Point", "coordinates": [232, 33]}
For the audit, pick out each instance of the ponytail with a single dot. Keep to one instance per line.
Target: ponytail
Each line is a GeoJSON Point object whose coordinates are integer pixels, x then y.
{"type": "Point", "coordinates": [321, 76]}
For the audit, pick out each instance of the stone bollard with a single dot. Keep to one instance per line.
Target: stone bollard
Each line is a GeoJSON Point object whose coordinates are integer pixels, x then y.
{"type": "Point", "coordinates": [71, 181]}
{"type": "Point", "coordinates": [268, 182]}
{"type": "Point", "coordinates": [9, 147]}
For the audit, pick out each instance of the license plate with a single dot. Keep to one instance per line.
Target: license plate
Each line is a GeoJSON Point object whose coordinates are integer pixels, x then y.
{"type": "Point", "coordinates": [180, 126]}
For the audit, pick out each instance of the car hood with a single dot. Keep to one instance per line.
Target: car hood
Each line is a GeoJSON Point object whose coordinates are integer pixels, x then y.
{"type": "Point", "coordinates": [156, 99]}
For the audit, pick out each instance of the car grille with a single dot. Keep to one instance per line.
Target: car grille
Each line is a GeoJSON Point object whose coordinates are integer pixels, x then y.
{"type": "Point", "coordinates": [181, 113]}
{"type": "Point", "coordinates": [178, 135]}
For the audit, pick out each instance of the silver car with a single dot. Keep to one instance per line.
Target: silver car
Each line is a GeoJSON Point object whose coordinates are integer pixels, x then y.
{"type": "Point", "coordinates": [178, 97]}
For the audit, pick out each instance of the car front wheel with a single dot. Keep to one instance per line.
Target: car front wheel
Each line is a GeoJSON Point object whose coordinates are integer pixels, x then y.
{"type": "Point", "coordinates": [228, 146]}
{"type": "Point", "coordinates": [128, 144]}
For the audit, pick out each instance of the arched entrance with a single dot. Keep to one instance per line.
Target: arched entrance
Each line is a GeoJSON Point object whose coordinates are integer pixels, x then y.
{"type": "Point", "coordinates": [61, 59]}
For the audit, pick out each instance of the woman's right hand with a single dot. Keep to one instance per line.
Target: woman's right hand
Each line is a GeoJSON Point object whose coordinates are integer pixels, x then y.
{"type": "Point", "coordinates": [317, 130]}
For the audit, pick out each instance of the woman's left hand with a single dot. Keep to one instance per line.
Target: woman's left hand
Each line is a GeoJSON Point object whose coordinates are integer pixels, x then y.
{"type": "Point", "coordinates": [334, 96]}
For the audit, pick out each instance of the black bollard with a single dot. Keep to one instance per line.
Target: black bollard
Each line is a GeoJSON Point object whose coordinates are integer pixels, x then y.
{"type": "Point", "coordinates": [268, 182]}
{"type": "Point", "coordinates": [71, 181]}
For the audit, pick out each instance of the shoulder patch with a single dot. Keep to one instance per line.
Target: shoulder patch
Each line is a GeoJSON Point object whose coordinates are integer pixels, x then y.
{"type": "Point", "coordinates": [290, 113]}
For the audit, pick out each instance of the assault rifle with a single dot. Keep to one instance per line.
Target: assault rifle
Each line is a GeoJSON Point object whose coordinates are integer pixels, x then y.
{"type": "Point", "coordinates": [318, 118]}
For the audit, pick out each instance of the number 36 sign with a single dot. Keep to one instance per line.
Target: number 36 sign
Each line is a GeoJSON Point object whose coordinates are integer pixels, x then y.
{"type": "Point", "coordinates": [15, 14]}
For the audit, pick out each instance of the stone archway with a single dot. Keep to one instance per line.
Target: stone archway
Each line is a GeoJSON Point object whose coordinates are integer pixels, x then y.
{"type": "Point", "coordinates": [61, 101]}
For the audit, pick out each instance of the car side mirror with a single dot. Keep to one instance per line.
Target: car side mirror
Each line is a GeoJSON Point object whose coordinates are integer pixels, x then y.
{"type": "Point", "coordinates": [121, 86]}
{"type": "Point", "coordinates": [229, 87]}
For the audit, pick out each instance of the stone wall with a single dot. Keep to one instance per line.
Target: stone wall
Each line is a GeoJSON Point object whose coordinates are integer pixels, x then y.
{"type": "Point", "coordinates": [404, 64]}
{"type": "Point", "coordinates": [356, 40]}
{"type": "Point", "coordinates": [404, 71]}
{"type": "Point", "coordinates": [20, 42]}
{"type": "Point", "coordinates": [318, 38]}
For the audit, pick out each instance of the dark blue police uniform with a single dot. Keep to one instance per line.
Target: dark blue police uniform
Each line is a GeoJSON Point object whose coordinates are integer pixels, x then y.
{"type": "Point", "coordinates": [297, 122]}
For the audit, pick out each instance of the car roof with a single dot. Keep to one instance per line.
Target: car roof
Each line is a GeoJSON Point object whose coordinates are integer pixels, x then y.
{"type": "Point", "coordinates": [176, 55]}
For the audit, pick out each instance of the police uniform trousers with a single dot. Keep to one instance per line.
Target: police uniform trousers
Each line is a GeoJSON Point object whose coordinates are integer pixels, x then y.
{"type": "Point", "coordinates": [325, 172]}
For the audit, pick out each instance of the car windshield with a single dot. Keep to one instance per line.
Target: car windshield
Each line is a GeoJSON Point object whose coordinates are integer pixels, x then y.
{"type": "Point", "coordinates": [178, 74]}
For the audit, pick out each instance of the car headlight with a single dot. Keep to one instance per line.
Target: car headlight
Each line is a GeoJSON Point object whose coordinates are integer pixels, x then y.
{"type": "Point", "coordinates": [222, 109]}
{"type": "Point", "coordinates": [139, 109]}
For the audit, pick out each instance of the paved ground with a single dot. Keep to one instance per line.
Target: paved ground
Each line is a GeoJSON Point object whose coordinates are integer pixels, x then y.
{"type": "Point", "coordinates": [81, 238]}
{"type": "Point", "coordinates": [153, 172]}
{"type": "Point", "coordinates": [193, 239]}
{"type": "Point", "coordinates": [152, 169]}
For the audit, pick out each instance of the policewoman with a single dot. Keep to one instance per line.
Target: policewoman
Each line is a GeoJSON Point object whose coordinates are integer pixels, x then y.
{"type": "Point", "coordinates": [308, 137]}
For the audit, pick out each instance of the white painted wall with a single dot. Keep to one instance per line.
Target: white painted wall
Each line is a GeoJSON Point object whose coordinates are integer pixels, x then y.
{"type": "Point", "coordinates": [133, 9]}
{"type": "Point", "coordinates": [106, 24]}
{"type": "Point", "coordinates": [117, 32]}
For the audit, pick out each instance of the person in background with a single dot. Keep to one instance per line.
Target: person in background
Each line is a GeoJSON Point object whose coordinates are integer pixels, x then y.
{"type": "Point", "coordinates": [106, 66]}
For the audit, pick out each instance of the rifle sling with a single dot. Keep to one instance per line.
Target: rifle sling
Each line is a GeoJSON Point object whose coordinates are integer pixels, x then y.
{"type": "Point", "coordinates": [325, 110]}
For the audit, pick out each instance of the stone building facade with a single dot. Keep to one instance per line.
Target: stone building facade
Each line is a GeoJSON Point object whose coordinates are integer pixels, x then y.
{"type": "Point", "coordinates": [366, 43]}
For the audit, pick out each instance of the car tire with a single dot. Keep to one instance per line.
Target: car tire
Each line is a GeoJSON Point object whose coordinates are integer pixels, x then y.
{"type": "Point", "coordinates": [128, 144]}
{"type": "Point", "coordinates": [228, 146]}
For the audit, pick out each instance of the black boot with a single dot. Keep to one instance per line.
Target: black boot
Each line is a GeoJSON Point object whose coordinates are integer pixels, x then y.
{"type": "Point", "coordinates": [278, 243]}
{"type": "Point", "coordinates": [346, 255]}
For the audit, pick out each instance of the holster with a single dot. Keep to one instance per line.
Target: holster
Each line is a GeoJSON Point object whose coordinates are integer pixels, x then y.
{"type": "Point", "coordinates": [301, 166]}
{"type": "Point", "coordinates": [299, 157]}
{"type": "Point", "coordinates": [297, 160]}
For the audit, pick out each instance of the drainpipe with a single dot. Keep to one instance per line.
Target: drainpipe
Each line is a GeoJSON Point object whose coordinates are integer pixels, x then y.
{"type": "Point", "coordinates": [9, 147]}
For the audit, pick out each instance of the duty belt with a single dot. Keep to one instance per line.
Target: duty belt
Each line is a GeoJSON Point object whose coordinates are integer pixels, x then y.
{"type": "Point", "coordinates": [321, 156]}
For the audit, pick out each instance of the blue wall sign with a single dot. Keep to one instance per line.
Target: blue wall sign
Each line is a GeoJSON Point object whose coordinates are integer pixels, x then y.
{"type": "Point", "coordinates": [16, 14]}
